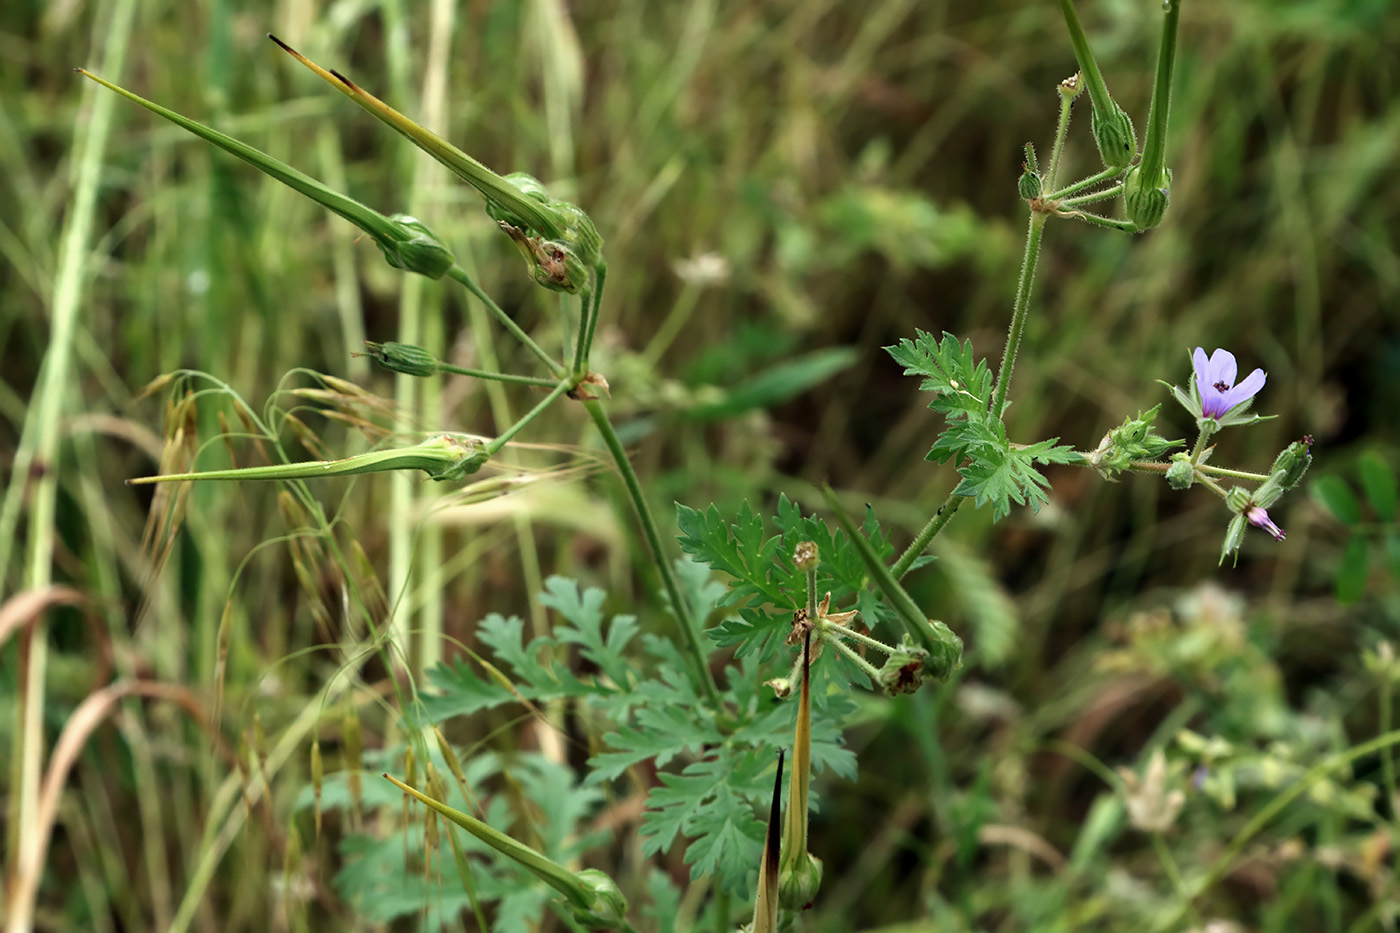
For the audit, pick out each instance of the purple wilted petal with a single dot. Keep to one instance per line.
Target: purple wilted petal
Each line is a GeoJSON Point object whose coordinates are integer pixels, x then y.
{"type": "Point", "coordinates": [1259, 518]}
{"type": "Point", "coordinates": [1215, 381]}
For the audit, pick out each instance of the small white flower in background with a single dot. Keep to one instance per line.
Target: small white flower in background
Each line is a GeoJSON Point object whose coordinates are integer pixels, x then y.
{"type": "Point", "coordinates": [1151, 808]}
{"type": "Point", "coordinates": [703, 270]}
{"type": "Point", "coordinates": [1219, 926]}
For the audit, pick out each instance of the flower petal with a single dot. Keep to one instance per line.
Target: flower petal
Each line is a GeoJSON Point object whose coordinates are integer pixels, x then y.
{"type": "Point", "coordinates": [1201, 364]}
{"type": "Point", "coordinates": [1252, 383]}
{"type": "Point", "coordinates": [1223, 367]}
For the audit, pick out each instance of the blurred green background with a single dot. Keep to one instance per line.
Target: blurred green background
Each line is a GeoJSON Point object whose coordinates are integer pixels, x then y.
{"type": "Point", "coordinates": [773, 180]}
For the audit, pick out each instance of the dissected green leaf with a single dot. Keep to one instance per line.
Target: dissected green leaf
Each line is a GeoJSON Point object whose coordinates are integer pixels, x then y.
{"type": "Point", "coordinates": [962, 385]}
{"type": "Point", "coordinates": [707, 802]}
{"type": "Point", "coordinates": [463, 687]}
{"type": "Point", "coordinates": [766, 588]}
{"type": "Point", "coordinates": [1001, 473]}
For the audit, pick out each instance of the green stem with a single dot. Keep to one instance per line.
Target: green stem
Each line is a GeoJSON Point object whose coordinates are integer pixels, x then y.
{"type": "Point", "coordinates": [1092, 197]}
{"type": "Point", "coordinates": [601, 272]}
{"type": "Point", "coordinates": [648, 523]}
{"type": "Point", "coordinates": [1098, 90]}
{"type": "Point", "coordinates": [526, 418]}
{"type": "Point", "coordinates": [458, 274]}
{"type": "Point", "coordinates": [1106, 175]}
{"type": "Point", "coordinates": [1208, 428]}
{"type": "Point", "coordinates": [1019, 313]}
{"type": "Point", "coordinates": [870, 670]}
{"type": "Point", "coordinates": [498, 377]}
{"type": "Point", "coordinates": [935, 524]}
{"type": "Point", "coordinates": [1061, 131]}
{"type": "Point", "coordinates": [1127, 226]}
{"type": "Point", "coordinates": [812, 594]}
{"type": "Point", "coordinates": [1154, 148]}
{"type": "Point", "coordinates": [1233, 474]}
{"type": "Point", "coordinates": [839, 632]}
{"type": "Point", "coordinates": [1156, 466]}
{"type": "Point", "coordinates": [585, 309]}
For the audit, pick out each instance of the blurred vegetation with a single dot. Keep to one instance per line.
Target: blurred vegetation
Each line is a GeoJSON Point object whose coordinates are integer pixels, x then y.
{"type": "Point", "coordinates": [773, 180]}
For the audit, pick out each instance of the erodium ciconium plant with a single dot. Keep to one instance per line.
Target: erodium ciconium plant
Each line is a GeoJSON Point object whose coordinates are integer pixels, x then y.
{"type": "Point", "coordinates": [787, 595]}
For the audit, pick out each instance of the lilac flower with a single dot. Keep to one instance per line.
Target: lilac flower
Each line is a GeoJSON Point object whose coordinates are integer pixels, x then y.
{"type": "Point", "coordinates": [1215, 381]}
{"type": "Point", "coordinates": [1259, 518]}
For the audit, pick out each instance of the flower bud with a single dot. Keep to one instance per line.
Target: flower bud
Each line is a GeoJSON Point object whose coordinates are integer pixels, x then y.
{"type": "Point", "coordinates": [1146, 203]}
{"type": "Point", "coordinates": [1292, 463]}
{"type": "Point", "coordinates": [1113, 133]}
{"type": "Point", "coordinates": [1182, 473]}
{"type": "Point", "coordinates": [1072, 87]}
{"type": "Point", "coordinates": [1238, 499]}
{"type": "Point", "coordinates": [403, 358]}
{"type": "Point", "coordinates": [805, 556]}
{"type": "Point", "coordinates": [417, 249]}
{"type": "Point", "coordinates": [1028, 185]}
{"type": "Point", "coordinates": [798, 884]}
{"type": "Point", "coordinates": [608, 910]}
{"type": "Point", "coordinates": [782, 687]}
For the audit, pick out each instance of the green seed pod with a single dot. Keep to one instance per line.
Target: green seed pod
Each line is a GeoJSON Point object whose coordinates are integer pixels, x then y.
{"type": "Point", "coordinates": [608, 907]}
{"type": "Point", "coordinates": [1113, 132]}
{"type": "Point", "coordinates": [1147, 203]}
{"type": "Point", "coordinates": [415, 248]}
{"type": "Point", "coordinates": [403, 358]}
{"type": "Point", "coordinates": [579, 232]}
{"type": "Point", "coordinates": [798, 884]}
{"type": "Point", "coordinates": [1181, 474]}
{"type": "Point", "coordinates": [529, 186]}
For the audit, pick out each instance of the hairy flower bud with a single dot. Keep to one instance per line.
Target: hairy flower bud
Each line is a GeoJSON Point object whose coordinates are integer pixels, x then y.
{"type": "Point", "coordinates": [1182, 473]}
{"type": "Point", "coordinates": [1028, 186]}
{"type": "Point", "coordinates": [1292, 463]}
{"type": "Point", "coordinates": [1113, 132]}
{"type": "Point", "coordinates": [1238, 499]}
{"type": "Point", "coordinates": [805, 556]}
{"type": "Point", "coordinates": [1147, 201]}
